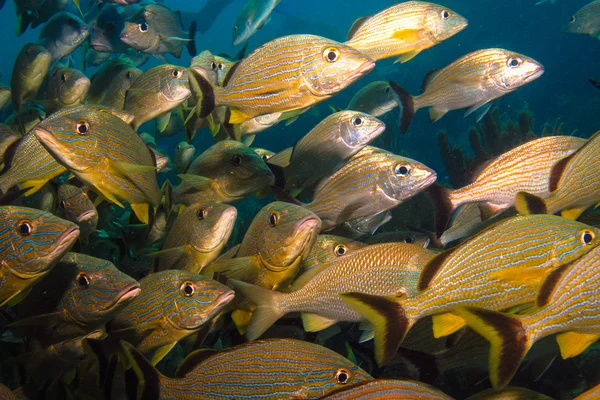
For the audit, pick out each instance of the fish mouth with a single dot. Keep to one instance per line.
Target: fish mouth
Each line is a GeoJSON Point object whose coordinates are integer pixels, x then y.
{"type": "Point", "coordinates": [65, 241]}
{"type": "Point", "coordinates": [304, 232]}
{"type": "Point", "coordinates": [213, 310]}
{"type": "Point", "coordinates": [85, 216]}
{"type": "Point", "coordinates": [54, 147]}
{"type": "Point", "coordinates": [365, 68]}
{"type": "Point", "coordinates": [128, 293]}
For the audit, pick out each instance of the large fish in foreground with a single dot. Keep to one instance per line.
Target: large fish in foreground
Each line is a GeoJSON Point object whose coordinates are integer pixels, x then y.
{"type": "Point", "coordinates": [498, 269]}
{"type": "Point", "coordinates": [586, 20]}
{"type": "Point", "coordinates": [472, 81]}
{"type": "Point", "coordinates": [404, 30]}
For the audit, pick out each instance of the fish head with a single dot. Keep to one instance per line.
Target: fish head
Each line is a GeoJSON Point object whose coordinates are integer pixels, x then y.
{"type": "Point", "coordinates": [357, 128]}
{"type": "Point", "coordinates": [512, 70]}
{"type": "Point", "coordinates": [442, 23]}
{"type": "Point", "coordinates": [72, 30]}
{"type": "Point", "coordinates": [174, 83]}
{"type": "Point", "coordinates": [584, 21]}
{"type": "Point", "coordinates": [244, 27]}
{"type": "Point", "coordinates": [33, 240]}
{"type": "Point", "coordinates": [140, 34]}
{"type": "Point", "coordinates": [68, 85]}
{"type": "Point", "coordinates": [223, 66]}
{"type": "Point", "coordinates": [184, 154]}
{"type": "Point", "coordinates": [404, 177]}
{"type": "Point", "coordinates": [329, 66]}
{"type": "Point", "coordinates": [33, 61]}
{"type": "Point", "coordinates": [211, 226]}
{"type": "Point", "coordinates": [206, 64]}
{"type": "Point", "coordinates": [75, 204]}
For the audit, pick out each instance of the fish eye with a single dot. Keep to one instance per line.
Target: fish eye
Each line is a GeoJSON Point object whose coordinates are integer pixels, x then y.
{"type": "Point", "coordinates": [445, 14]}
{"type": "Point", "coordinates": [235, 28]}
{"type": "Point", "coordinates": [220, 66]}
{"type": "Point", "coordinates": [237, 160]}
{"type": "Point", "coordinates": [188, 289]}
{"type": "Point", "coordinates": [342, 376]}
{"type": "Point", "coordinates": [129, 75]}
{"type": "Point", "coordinates": [409, 240]}
{"type": "Point", "coordinates": [176, 73]}
{"type": "Point", "coordinates": [143, 27]}
{"type": "Point", "coordinates": [178, 148]}
{"type": "Point", "coordinates": [82, 128]}
{"type": "Point", "coordinates": [514, 62]}
{"type": "Point", "coordinates": [587, 237]}
{"type": "Point", "coordinates": [273, 219]}
{"type": "Point", "coordinates": [331, 54]}
{"type": "Point", "coordinates": [402, 170]}
{"type": "Point", "coordinates": [24, 228]}
{"type": "Point", "coordinates": [387, 89]}
{"type": "Point", "coordinates": [340, 250]}
{"type": "Point", "coordinates": [202, 213]}
{"type": "Point", "coordinates": [266, 157]}
{"type": "Point", "coordinates": [83, 280]}
{"type": "Point", "coordinates": [213, 65]}
{"type": "Point", "coordinates": [357, 121]}
{"type": "Point", "coordinates": [573, 19]}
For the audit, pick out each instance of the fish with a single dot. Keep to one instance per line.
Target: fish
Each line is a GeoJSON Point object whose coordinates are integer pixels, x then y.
{"type": "Point", "coordinates": [254, 15]}
{"type": "Point", "coordinates": [465, 223]}
{"type": "Point", "coordinates": [79, 295]}
{"type": "Point", "coordinates": [327, 146]}
{"type": "Point", "coordinates": [155, 92]}
{"type": "Point", "coordinates": [472, 81]}
{"type": "Point", "coordinates": [525, 168]}
{"type": "Point", "coordinates": [62, 34]}
{"type": "Point", "coordinates": [226, 172]}
{"type": "Point", "coordinates": [102, 151]}
{"type": "Point", "coordinates": [509, 393]}
{"type": "Point", "coordinates": [156, 29]}
{"type": "Point", "coordinates": [572, 183]}
{"type": "Point", "coordinates": [376, 99]}
{"type": "Point", "coordinates": [264, 153]}
{"type": "Point", "coordinates": [293, 72]}
{"type": "Point", "coordinates": [171, 123]}
{"type": "Point", "coordinates": [566, 306]}
{"type": "Point", "coordinates": [105, 30]}
{"type": "Point", "coordinates": [94, 58]}
{"type": "Point", "coordinates": [213, 66]}
{"type": "Point", "coordinates": [589, 394]}
{"type": "Point", "coordinates": [78, 208]}
{"type": "Point", "coordinates": [67, 87]}
{"type": "Point", "coordinates": [31, 14]}
{"type": "Point", "coordinates": [33, 241]}
{"type": "Point", "coordinates": [385, 269]}
{"type": "Point", "coordinates": [277, 368]}
{"type": "Point", "coordinates": [118, 87]}
{"type": "Point", "coordinates": [280, 236]}
{"type": "Point", "coordinates": [29, 72]}
{"type": "Point", "coordinates": [101, 80]}
{"type": "Point", "coordinates": [5, 96]}
{"type": "Point", "coordinates": [586, 20]}
{"type": "Point", "coordinates": [504, 271]}
{"type": "Point", "coordinates": [327, 248]}
{"type": "Point", "coordinates": [197, 237]}
{"type": "Point", "coordinates": [364, 226]}
{"type": "Point", "coordinates": [404, 30]}
{"type": "Point", "coordinates": [412, 237]}
{"type": "Point", "coordinates": [26, 118]}
{"type": "Point", "coordinates": [184, 155]}
{"type": "Point", "coordinates": [173, 304]}
{"type": "Point", "coordinates": [7, 138]}
{"type": "Point", "coordinates": [388, 388]}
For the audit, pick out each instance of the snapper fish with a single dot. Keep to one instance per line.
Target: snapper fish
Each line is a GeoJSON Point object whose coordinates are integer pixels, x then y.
{"type": "Point", "coordinates": [254, 15]}
{"type": "Point", "coordinates": [586, 20]}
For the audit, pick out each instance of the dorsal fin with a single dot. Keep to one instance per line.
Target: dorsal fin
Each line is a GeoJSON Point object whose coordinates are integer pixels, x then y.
{"type": "Point", "coordinates": [230, 73]}
{"type": "Point", "coordinates": [430, 75]}
{"type": "Point", "coordinates": [192, 360]}
{"type": "Point", "coordinates": [557, 171]}
{"type": "Point", "coordinates": [432, 268]}
{"type": "Point", "coordinates": [356, 26]}
{"type": "Point", "coordinates": [549, 284]}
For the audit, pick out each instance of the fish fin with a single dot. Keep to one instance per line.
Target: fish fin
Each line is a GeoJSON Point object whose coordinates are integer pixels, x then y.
{"type": "Point", "coordinates": [335, 108]}
{"type": "Point", "coordinates": [142, 212]}
{"type": "Point", "coordinates": [356, 26]}
{"type": "Point", "coordinates": [282, 195]}
{"type": "Point", "coordinates": [102, 354]}
{"type": "Point", "coordinates": [130, 168]}
{"type": "Point", "coordinates": [432, 267]}
{"type": "Point", "coordinates": [248, 140]}
{"type": "Point", "coordinates": [161, 352]}
{"type": "Point", "coordinates": [307, 276]}
{"type": "Point", "coordinates": [290, 121]}
{"type": "Point", "coordinates": [44, 320]}
{"type": "Point", "coordinates": [237, 117]}
{"type": "Point", "coordinates": [595, 83]}
{"type": "Point", "coordinates": [407, 35]}
{"type": "Point", "coordinates": [315, 323]}
{"type": "Point", "coordinates": [76, 2]}
{"type": "Point", "coordinates": [291, 116]}
{"type": "Point", "coordinates": [572, 213]}
{"type": "Point", "coordinates": [533, 276]}
{"type": "Point", "coordinates": [241, 268]}
{"type": "Point", "coordinates": [407, 56]}
{"type": "Point", "coordinates": [446, 324]}
{"type": "Point", "coordinates": [203, 92]}
{"type": "Point", "coordinates": [162, 58]}
{"type": "Point", "coordinates": [527, 204]}
{"type": "Point", "coordinates": [444, 206]}
{"type": "Point", "coordinates": [144, 382]}
{"type": "Point", "coordinates": [389, 320]}
{"type": "Point", "coordinates": [213, 125]}
{"type": "Point", "coordinates": [196, 181]}
{"type": "Point", "coordinates": [548, 287]}
{"type": "Point", "coordinates": [267, 311]}
{"type": "Point", "coordinates": [192, 360]}
{"type": "Point", "coordinates": [509, 339]}
{"type": "Point", "coordinates": [484, 107]}
{"type": "Point", "coordinates": [191, 46]}
{"type": "Point", "coordinates": [163, 121]}
{"type": "Point", "coordinates": [435, 114]}
{"type": "Point", "coordinates": [16, 298]}
{"type": "Point", "coordinates": [540, 365]}
{"type": "Point", "coordinates": [173, 250]}
{"type": "Point", "coordinates": [428, 77]}
{"type": "Point", "coordinates": [367, 334]}
{"type": "Point", "coordinates": [408, 105]}
{"type": "Point", "coordinates": [241, 319]}
{"type": "Point", "coordinates": [557, 172]}
{"type": "Point", "coordinates": [489, 210]}
{"type": "Point", "coordinates": [33, 185]}
{"type": "Point", "coordinates": [572, 344]}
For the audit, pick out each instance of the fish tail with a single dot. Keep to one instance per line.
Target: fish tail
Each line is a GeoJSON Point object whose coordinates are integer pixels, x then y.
{"type": "Point", "coordinates": [509, 339]}
{"type": "Point", "coordinates": [191, 46]}
{"type": "Point", "coordinates": [595, 83]}
{"type": "Point", "coordinates": [444, 206]}
{"type": "Point", "coordinates": [268, 307]}
{"type": "Point", "coordinates": [408, 106]}
{"type": "Point", "coordinates": [389, 318]}
{"type": "Point", "coordinates": [527, 204]}
{"type": "Point", "coordinates": [203, 92]}
{"type": "Point", "coordinates": [142, 379]}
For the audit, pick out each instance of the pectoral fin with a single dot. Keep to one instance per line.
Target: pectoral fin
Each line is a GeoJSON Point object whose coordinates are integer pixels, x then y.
{"type": "Point", "coordinates": [314, 322]}
{"type": "Point", "coordinates": [435, 114]}
{"type": "Point", "coordinates": [407, 56]}
{"type": "Point", "coordinates": [161, 352]}
{"type": "Point", "coordinates": [446, 324]}
{"type": "Point", "coordinates": [573, 343]}
{"type": "Point", "coordinates": [142, 212]}
{"type": "Point", "coordinates": [572, 213]}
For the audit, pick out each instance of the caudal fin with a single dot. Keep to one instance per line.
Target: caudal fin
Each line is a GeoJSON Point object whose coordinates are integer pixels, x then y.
{"type": "Point", "coordinates": [191, 46]}
{"type": "Point", "coordinates": [142, 380]}
{"type": "Point", "coordinates": [202, 92]}
{"type": "Point", "coordinates": [508, 338]}
{"type": "Point", "coordinates": [408, 106]}
{"type": "Point", "coordinates": [268, 309]}
{"type": "Point", "coordinates": [527, 204]}
{"type": "Point", "coordinates": [387, 316]}
{"type": "Point", "coordinates": [444, 207]}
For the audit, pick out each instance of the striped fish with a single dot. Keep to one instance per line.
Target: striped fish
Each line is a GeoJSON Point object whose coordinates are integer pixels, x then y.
{"type": "Point", "coordinates": [118, 87]}
{"type": "Point", "coordinates": [31, 243]}
{"type": "Point", "coordinates": [349, 193]}
{"type": "Point", "coordinates": [156, 92]}
{"type": "Point", "coordinates": [586, 20]}
{"type": "Point", "coordinates": [388, 389]}
{"type": "Point", "coordinates": [67, 87]}
{"type": "Point", "coordinates": [79, 295]}
{"type": "Point", "coordinates": [29, 72]}
{"type": "Point", "coordinates": [197, 237]}
{"type": "Point", "coordinates": [325, 148]}
{"type": "Point", "coordinates": [498, 269]}
{"type": "Point", "coordinates": [568, 306]}
{"type": "Point", "coordinates": [404, 30]}
{"type": "Point", "coordinates": [525, 168]}
{"type": "Point", "coordinates": [104, 152]}
{"type": "Point", "coordinates": [214, 67]}
{"type": "Point", "coordinates": [574, 183]}
{"type": "Point", "coordinates": [472, 81]}
{"type": "Point", "coordinates": [266, 369]}
{"type": "Point", "coordinates": [384, 269]}
{"type": "Point", "coordinates": [327, 248]}
{"type": "Point", "coordinates": [173, 305]}
{"type": "Point", "coordinates": [287, 74]}
{"type": "Point", "coordinates": [78, 208]}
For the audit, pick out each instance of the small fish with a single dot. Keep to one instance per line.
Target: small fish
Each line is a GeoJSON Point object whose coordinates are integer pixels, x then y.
{"type": "Point", "coordinates": [155, 92]}
{"type": "Point", "coordinates": [586, 20]}
{"type": "Point", "coordinates": [503, 271]}
{"type": "Point", "coordinates": [254, 15]}
{"type": "Point", "coordinates": [173, 304]}
{"type": "Point", "coordinates": [32, 242]}
{"type": "Point", "coordinates": [277, 368]}
{"type": "Point", "coordinates": [118, 87]}
{"type": "Point", "coordinates": [79, 295]}
{"type": "Point", "coordinates": [226, 172]}
{"type": "Point", "coordinates": [94, 58]}
{"type": "Point", "coordinates": [101, 80]}
{"type": "Point", "coordinates": [105, 30]}
{"type": "Point", "coordinates": [376, 99]}
{"type": "Point", "coordinates": [327, 248]}
{"type": "Point", "coordinates": [388, 388]}
{"type": "Point", "coordinates": [197, 237]}
{"type": "Point", "coordinates": [171, 123]}
{"type": "Point", "coordinates": [156, 29]}
{"type": "Point", "coordinates": [215, 67]}
{"type": "Point", "coordinates": [404, 30]}
{"type": "Point", "coordinates": [7, 138]}
{"type": "Point", "coordinates": [101, 150]}
{"type": "Point", "coordinates": [473, 81]}
{"type": "Point", "coordinates": [29, 72]}
{"type": "Point", "coordinates": [184, 155]}
{"type": "Point", "coordinates": [67, 87]}
{"type": "Point", "coordinates": [62, 34]}
{"type": "Point", "coordinates": [295, 72]}
{"type": "Point", "coordinates": [78, 208]}
{"type": "Point", "coordinates": [386, 269]}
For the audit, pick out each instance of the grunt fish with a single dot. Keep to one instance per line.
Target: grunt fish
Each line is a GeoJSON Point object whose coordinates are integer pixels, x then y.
{"type": "Point", "coordinates": [328, 248]}
{"type": "Point", "coordinates": [62, 34]}
{"type": "Point", "coordinates": [67, 87]}
{"type": "Point", "coordinates": [586, 20]}
{"type": "Point", "coordinates": [78, 208]}
{"type": "Point", "coordinates": [29, 72]}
